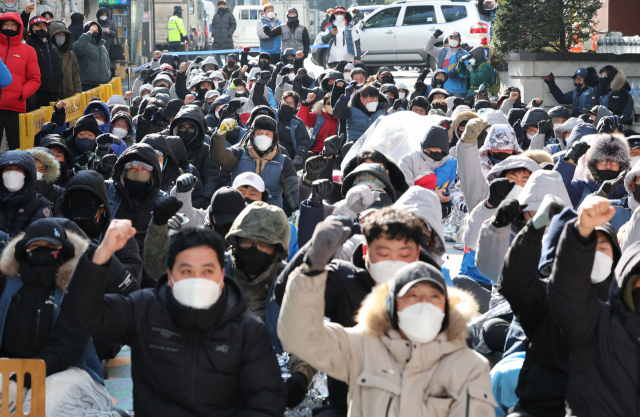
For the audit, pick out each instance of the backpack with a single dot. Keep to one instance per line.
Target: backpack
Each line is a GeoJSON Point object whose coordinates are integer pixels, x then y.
{"type": "Point", "coordinates": [116, 52]}
{"type": "Point", "coordinates": [494, 86]}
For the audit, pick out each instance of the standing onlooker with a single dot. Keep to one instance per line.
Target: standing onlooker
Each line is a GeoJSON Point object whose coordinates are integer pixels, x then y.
{"type": "Point", "coordinates": [23, 65]}
{"type": "Point", "coordinates": [223, 26]}
{"type": "Point", "coordinates": [357, 15]}
{"type": "Point", "coordinates": [48, 16]}
{"type": "Point", "coordinates": [294, 35]}
{"type": "Point", "coordinates": [93, 59]}
{"type": "Point", "coordinates": [343, 38]}
{"type": "Point", "coordinates": [176, 32]}
{"type": "Point", "coordinates": [109, 33]}
{"type": "Point", "coordinates": [63, 39]}
{"type": "Point", "coordinates": [327, 20]}
{"type": "Point", "coordinates": [268, 44]}
{"type": "Point", "coordinates": [614, 93]}
{"type": "Point", "coordinates": [448, 58]}
{"type": "Point", "coordinates": [76, 27]}
{"type": "Point", "coordinates": [49, 63]}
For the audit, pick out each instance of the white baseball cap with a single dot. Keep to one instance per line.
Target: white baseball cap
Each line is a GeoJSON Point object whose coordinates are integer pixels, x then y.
{"type": "Point", "coordinates": [249, 178]}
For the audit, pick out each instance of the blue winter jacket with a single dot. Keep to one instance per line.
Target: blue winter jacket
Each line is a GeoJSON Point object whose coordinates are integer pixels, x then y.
{"type": "Point", "coordinates": [117, 149]}
{"type": "Point", "coordinates": [357, 117]}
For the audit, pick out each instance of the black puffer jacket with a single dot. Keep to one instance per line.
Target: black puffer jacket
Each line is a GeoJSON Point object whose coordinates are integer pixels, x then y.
{"type": "Point", "coordinates": [170, 170]}
{"type": "Point", "coordinates": [198, 151]}
{"type": "Point", "coordinates": [224, 350]}
{"type": "Point", "coordinates": [604, 370]}
{"type": "Point", "coordinates": [49, 62]}
{"type": "Point", "coordinates": [107, 24]}
{"type": "Point", "coordinates": [223, 26]}
{"type": "Point", "coordinates": [76, 27]}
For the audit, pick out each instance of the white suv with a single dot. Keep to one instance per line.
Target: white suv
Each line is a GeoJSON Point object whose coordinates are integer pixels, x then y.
{"type": "Point", "coordinates": [396, 34]}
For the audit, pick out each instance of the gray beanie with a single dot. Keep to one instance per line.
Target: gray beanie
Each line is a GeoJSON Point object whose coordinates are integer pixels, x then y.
{"type": "Point", "coordinates": [437, 137]}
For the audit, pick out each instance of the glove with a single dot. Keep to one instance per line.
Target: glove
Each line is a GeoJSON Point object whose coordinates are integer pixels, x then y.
{"type": "Point", "coordinates": [246, 49]}
{"type": "Point", "coordinates": [298, 162]}
{"type": "Point", "coordinates": [498, 191]}
{"type": "Point", "coordinates": [609, 186]}
{"type": "Point", "coordinates": [314, 166]}
{"type": "Point", "coordinates": [296, 389]}
{"type": "Point", "coordinates": [550, 206]}
{"type": "Point", "coordinates": [577, 149]}
{"type": "Point", "coordinates": [236, 104]}
{"type": "Point", "coordinates": [105, 140]}
{"type": "Point", "coordinates": [517, 128]}
{"type": "Point", "coordinates": [465, 57]}
{"type": "Point", "coordinates": [264, 77]}
{"type": "Point", "coordinates": [473, 130]}
{"type": "Point", "coordinates": [351, 88]}
{"type": "Point", "coordinates": [164, 208]}
{"type": "Point", "coordinates": [156, 119]}
{"type": "Point", "coordinates": [458, 101]}
{"type": "Point", "coordinates": [507, 212]}
{"type": "Point", "coordinates": [420, 87]}
{"type": "Point", "coordinates": [185, 183]}
{"type": "Point", "coordinates": [608, 124]}
{"type": "Point", "coordinates": [550, 79]}
{"type": "Point", "coordinates": [397, 104]}
{"type": "Point", "coordinates": [544, 127]}
{"type": "Point", "coordinates": [227, 125]}
{"type": "Point", "coordinates": [301, 73]}
{"type": "Point", "coordinates": [108, 162]}
{"type": "Point", "coordinates": [84, 160]}
{"type": "Point", "coordinates": [284, 71]}
{"type": "Point", "coordinates": [321, 190]}
{"type": "Point", "coordinates": [331, 145]}
{"type": "Point", "coordinates": [326, 239]}
{"type": "Point", "coordinates": [424, 74]}
{"type": "Point", "coordinates": [437, 33]}
{"type": "Point", "coordinates": [149, 111]}
{"type": "Point", "coordinates": [360, 198]}
{"type": "Point", "coordinates": [266, 29]}
{"type": "Point", "coordinates": [175, 223]}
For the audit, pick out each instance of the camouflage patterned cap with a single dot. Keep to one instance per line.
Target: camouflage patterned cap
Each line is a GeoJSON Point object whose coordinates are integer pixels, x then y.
{"type": "Point", "coordinates": [265, 222]}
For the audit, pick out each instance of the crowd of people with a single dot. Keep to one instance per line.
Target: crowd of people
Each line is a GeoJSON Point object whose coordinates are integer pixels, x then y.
{"type": "Point", "coordinates": [232, 213]}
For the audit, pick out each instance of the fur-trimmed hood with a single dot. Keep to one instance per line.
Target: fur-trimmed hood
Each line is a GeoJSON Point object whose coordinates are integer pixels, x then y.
{"type": "Point", "coordinates": [50, 163]}
{"type": "Point", "coordinates": [374, 319]}
{"type": "Point", "coordinates": [459, 118]}
{"type": "Point", "coordinates": [619, 81]}
{"type": "Point", "coordinates": [607, 146]}
{"type": "Point", "coordinates": [9, 265]}
{"type": "Point", "coordinates": [538, 155]}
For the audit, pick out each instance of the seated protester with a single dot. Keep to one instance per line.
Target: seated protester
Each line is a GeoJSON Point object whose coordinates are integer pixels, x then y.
{"type": "Point", "coordinates": [438, 78]}
{"type": "Point", "coordinates": [37, 267]}
{"type": "Point", "coordinates": [583, 96]}
{"type": "Point", "coordinates": [209, 98]}
{"type": "Point", "coordinates": [403, 95]}
{"type": "Point", "coordinates": [57, 145]}
{"type": "Point", "coordinates": [190, 126]}
{"type": "Point", "coordinates": [167, 160]}
{"type": "Point", "coordinates": [359, 75]}
{"type": "Point", "coordinates": [614, 93]}
{"type": "Point", "coordinates": [630, 232]}
{"type": "Point", "coordinates": [542, 383]}
{"type": "Point", "coordinates": [21, 204]}
{"type": "Point", "coordinates": [432, 167]}
{"type": "Point", "coordinates": [116, 100]}
{"type": "Point", "coordinates": [231, 65]}
{"type": "Point", "coordinates": [438, 94]}
{"type": "Point", "coordinates": [101, 112]}
{"type": "Point", "coordinates": [542, 157]}
{"type": "Point", "coordinates": [180, 152]}
{"type": "Point", "coordinates": [360, 109]}
{"type": "Point", "coordinates": [597, 332]}
{"type": "Point", "coordinates": [394, 172]}
{"type": "Point", "coordinates": [419, 105]}
{"type": "Point", "coordinates": [47, 172]}
{"type": "Point", "coordinates": [477, 69]}
{"type": "Point", "coordinates": [493, 117]}
{"type": "Point", "coordinates": [606, 158]}
{"type": "Point", "coordinates": [561, 133]}
{"type": "Point", "coordinates": [559, 115]}
{"type": "Point", "coordinates": [597, 113]}
{"type": "Point", "coordinates": [458, 125]}
{"type": "Point", "coordinates": [388, 316]}
{"type": "Point", "coordinates": [537, 126]}
{"type": "Point", "coordinates": [292, 133]}
{"type": "Point", "coordinates": [511, 100]}
{"type": "Point", "coordinates": [122, 127]}
{"type": "Point", "coordinates": [145, 91]}
{"type": "Point", "coordinates": [120, 108]}
{"type": "Point", "coordinates": [182, 304]}
{"type": "Point", "coordinates": [209, 64]}
{"type": "Point", "coordinates": [212, 119]}
{"type": "Point", "coordinates": [440, 106]}
{"type": "Point", "coordinates": [320, 119]}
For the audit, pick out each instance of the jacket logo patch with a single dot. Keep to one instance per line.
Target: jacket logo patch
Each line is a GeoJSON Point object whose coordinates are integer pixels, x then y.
{"type": "Point", "coordinates": [46, 212]}
{"type": "Point", "coordinates": [222, 348]}
{"type": "Point", "coordinates": [16, 55]}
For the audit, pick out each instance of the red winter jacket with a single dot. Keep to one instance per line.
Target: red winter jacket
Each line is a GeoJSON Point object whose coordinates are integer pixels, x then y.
{"type": "Point", "coordinates": [329, 127]}
{"type": "Point", "coordinates": [22, 62]}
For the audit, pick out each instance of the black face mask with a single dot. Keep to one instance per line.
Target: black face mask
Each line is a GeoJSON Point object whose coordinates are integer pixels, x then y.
{"type": "Point", "coordinates": [436, 156]}
{"type": "Point", "coordinates": [285, 110]}
{"type": "Point", "coordinates": [41, 266]}
{"type": "Point", "coordinates": [201, 93]}
{"type": "Point", "coordinates": [288, 61]}
{"type": "Point", "coordinates": [501, 156]}
{"type": "Point", "coordinates": [292, 19]}
{"type": "Point", "coordinates": [222, 229]}
{"type": "Point", "coordinates": [90, 226]}
{"type": "Point", "coordinates": [607, 174]}
{"type": "Point", "coordinates": [10, 32]}
{"type": "Point", "coordinates": [604, 84]}
{"type": "Point", "coordinates": [136, 188]}
{"type": "Point", "coordinates": [187, 136]}
{"type": "Point", "coordinates": [578, 85]}
{"type": "Point", "coordinates": [252, 261]}
{"type": "Point", "coordinates": [179, 14]}
{"type": "Point", "coordinates": [248, 200]}
{"type": "Point", "coordinates": [264, 65]}
{"type": "Point", "coordinates": [635, 295]}
{"type": "Point", "coordinates": [387, 79]}
{"type": "Point", "coordinates": [95, 35]}
{"type": "Point", "coordinates": [41, 33]}
{"type": "Point", "coordinates": [231, 64]}
{"type": "Point", "coordinates": [436, 83]}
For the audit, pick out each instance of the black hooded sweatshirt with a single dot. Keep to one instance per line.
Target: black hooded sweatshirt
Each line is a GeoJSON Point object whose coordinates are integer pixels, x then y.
{"type": "Point", "coordinates": [180, 152]}
{"type": "Point", "coordinates": [170, 168]}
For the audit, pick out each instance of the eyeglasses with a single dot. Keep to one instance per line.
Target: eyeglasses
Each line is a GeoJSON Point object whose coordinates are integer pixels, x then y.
{"type": "Point", "coordinates": [245, 243]}
{"type": "Point", "coordinates": [613, 164]}
{"type": "Point", "coordinates": [292, 105]}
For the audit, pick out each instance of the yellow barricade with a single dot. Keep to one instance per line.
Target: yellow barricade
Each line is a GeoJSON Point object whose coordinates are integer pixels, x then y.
{"type": "Point", "coordinates": [116, 83]}
{"type": "Point", "coordinates": [32, 123]}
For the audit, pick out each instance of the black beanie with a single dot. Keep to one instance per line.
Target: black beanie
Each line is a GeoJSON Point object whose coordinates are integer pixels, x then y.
{"type": "Point", "coordinates": [261, 110]}
{"type": "Point", "coordinates": [263, 122]}
{"type": "Point", "coordinates": [264, 55]}
{"type": "Point", "coordinates": [77, 17]}
{"type": "Point", "coordinates": [233, 57]}
{"type": "Point", "coordinates": [437, 137]}
{"type": "Point", "coordinates": [88, 123]}
{"type": "Point", "coordinates": [420, 101]}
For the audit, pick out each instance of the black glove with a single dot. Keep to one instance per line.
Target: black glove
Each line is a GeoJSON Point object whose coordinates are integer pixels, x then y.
{"type": "Point", "coordinates": [437, 33]}
{"type": "Point", "coordinates": [264, 77]}
{"type": "Point", "coordinates": [331, 145]}
{"type": "Point", "coordinates": [321, 190]}
{"type": "Point", "coordinates": [608, 124]}
{"type": "Point", "coordinates": [550, 79]}
{"type": "Point", "coordinates": [544, 127]}
{"type": "Point", "coordinates": [517, 128]}
{"type": "Point", "coordinates": [83, 161]}
{"type": "Point", "coordinates": [340, 66]}
{"type": "Point", "coordinates": [106, 140]}
{"type": "Point", "coordinates": [507, 212]}
{"type": "Point", "coordinates": [185, 183]}
{"type": "Point", "coordinates": [609, 186]}
{"type": "Point", "coordinates": [235, 104]}
{"type": "Point", "coordinates": [298, 162]}
{"type": "Point", "coordinates": [157, 117]}
{"type": "Point", "coordinates": [284, 71]}
{"type": "Point", "coordinates": [149, 111]}
{"type": "Point", "coordinates": [397, 104]}
{"type": "Point", "coordinates": [164, 208]}
{"type": "Point", "coordinates": [420, 87]}
{"type": "Point", "coordinates": [577, 149]}
{"type": "Point", "coordinates": [351, 88]}
{"type": "Point", "coordinates": [314, 166]}
{"type": "Point", "coordinates": [266, 29]}
{"type": "Point", "coordinates": [424, 73]}
{"type": "Point", "coordinates": [108, 162]}
{"type": "Point", "coordinates": [327, 238]}
{"type": "Point", "coordinates": [498, 191]}
{"type": "Point", "coordinates": [458, 101]}
{"type": "Point", "coordinates": [296, 389]}
{"type": "Point", "coordinates": [301, 73]}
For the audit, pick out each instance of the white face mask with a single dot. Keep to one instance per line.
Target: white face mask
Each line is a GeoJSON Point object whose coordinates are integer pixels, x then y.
{"type": "Point", "coordinates": [601, 267]}
{"type": "Point", "coordinates": [453, 43]}
{"type": "Point", "coordinates": [347, 76]}
{"type": "Point", "coordinates": [421, 322]}
{"type": "Point", "coordinates": [119, 132]}
{"type": "Point", "coordinates": [103, 17]}
{"type": "Point", "coordinates": [359, 85]}
{"type": "Point", "coordinates": [339, 18]}
{"type": "Point", "coordinates": [13, 180]}
{"type": "Point", "coordinates": [531, 136]}
{"type": "Point", "coordinates": [515, 192]}
{"type": "Point", "coordinates": [292, 76]}
{"type": "Point", "coordinates": [271, 15]}
{"type": "Point", "coordinates": [262, 142]}
{"type": "Point", "coordinates": [383, 271]}
{"type": "Point", "coordinates": [39, 176]}
{"type": "Point", "coordinates": [100, 122]}
{"type": "Point", "coordinates": [198, 293]}
{"type": "Point", "coordinates": [402, 95]}
{"type": "Point", "coordinates": [634, 159]}
{"type": "Point", "coordinates": [371, 107]}
{"type": "Point", "coordinates": [472, 61]}
{"type": "Point", "coordinates": [60, 39]}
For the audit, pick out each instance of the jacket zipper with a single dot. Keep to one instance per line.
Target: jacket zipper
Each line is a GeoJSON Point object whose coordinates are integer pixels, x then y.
{"type": "Point", "coordinates": [37, 327]}
{"type": "Point", "coordinates": [389, 405]}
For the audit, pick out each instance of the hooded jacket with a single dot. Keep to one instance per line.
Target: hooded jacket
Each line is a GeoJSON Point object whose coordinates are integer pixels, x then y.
{"type": "Point", "coordinates": [454, 135]}
{"type": "Point", "coordinates": [387, 375]}
{"type": "Point", "coordinates": [50, 141]}
{"type": "Point", "coordinates": [375, 170]}
{"type": "Point", "coordinates": [223, 25]}
{"type": "Point", "coordinates": [49, 62]}
{"type": "Point", "coordinates": [481, 72]}
{"type": "Point", "coordinates": [558, 134]}
{"type": "Point", "coordinates": [71, 84]}
{"type": "Point", "coordinates": [357, 116]}
{"type": "Point", "coordinates": [617, 97]}
{"type": "Point", "coordinates": [198, 152]}
{"type": "Point", "coordinates": [396, 176]}
{"type": "Point", "coordinates": [603, 378]}
{"type": "Point", "coordinates": [170, 168]}
{"type": "Point", "coordinates": [224, 349]}
{"type": "Point", "coordinates": [76, 27]}
{"type": "Point", "coordinates": [129, 139]}
{"type": "Point", "coordinates": [420, 169]}
{"type": "Point", "coordinates": [22, 61]}
{"type": "Point", "coordinates": [47, 187]}
{"type": "Point", "coordinates": [107, 24]}
{"type": "Point", "coordinates": [23, 207]}
{"type": "Point", "coordinates": [93, 59]}
{"type": "Point", "coordinates": [180, 152]}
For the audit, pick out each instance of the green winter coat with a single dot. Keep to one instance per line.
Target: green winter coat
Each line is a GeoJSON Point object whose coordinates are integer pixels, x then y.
{"type": "Point", "coordinates": [478, 75]}
{"type": "Point", "coordinates": [93, 59]}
